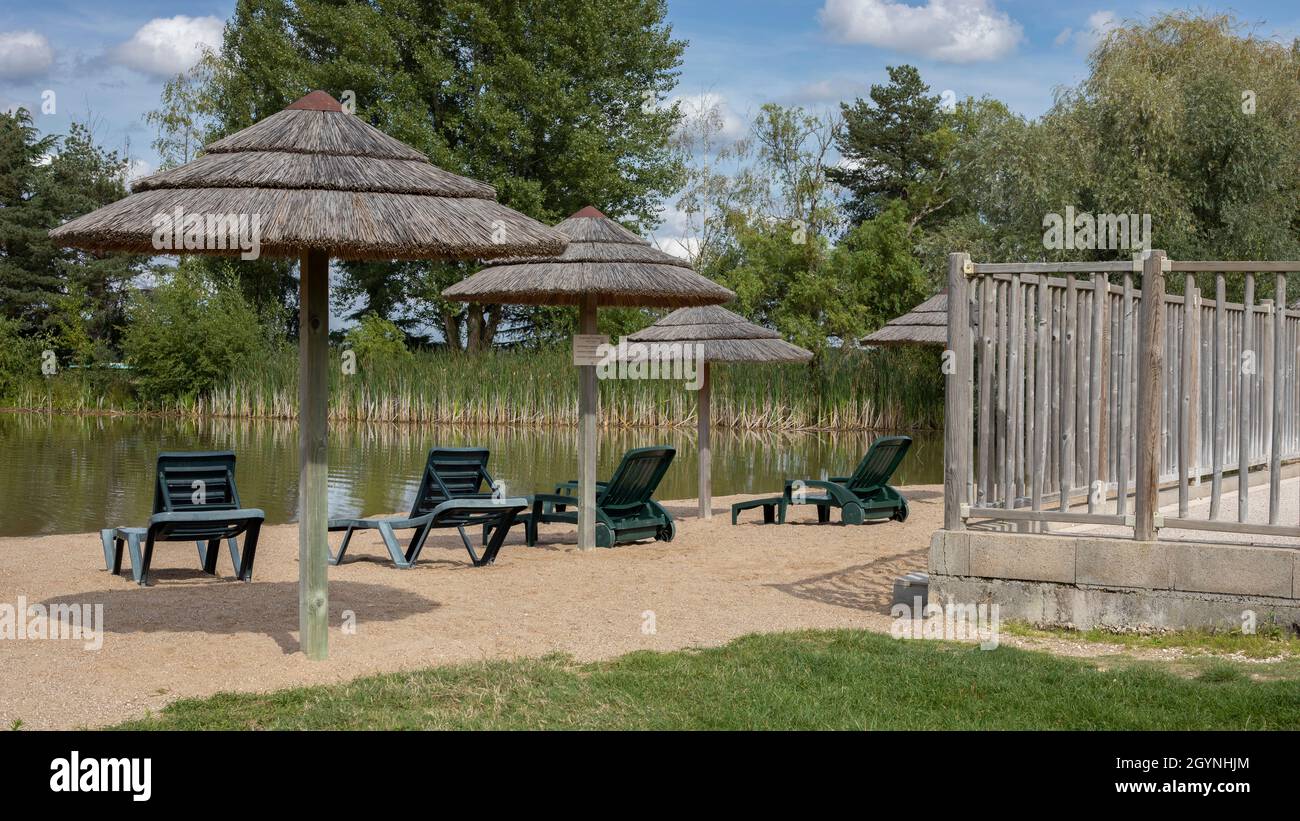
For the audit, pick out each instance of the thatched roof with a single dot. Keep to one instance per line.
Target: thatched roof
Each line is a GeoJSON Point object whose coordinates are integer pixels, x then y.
{"type": "Point", "coordinates": [604, 260]}
{"type": "Point", "coordinates": [726, 337]}
{"type": "Point", "coordinates": [926, 324]}
{"type": "Point", "coordinates": [317, 177]}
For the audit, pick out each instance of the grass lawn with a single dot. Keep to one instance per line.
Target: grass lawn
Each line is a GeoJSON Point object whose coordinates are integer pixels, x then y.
{"type": "Point", "coordinates": [810, 680]}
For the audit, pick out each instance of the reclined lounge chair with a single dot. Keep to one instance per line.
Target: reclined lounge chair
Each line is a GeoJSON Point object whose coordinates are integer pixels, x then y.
{"type": "Point", "coordinates": [195, 499]}
{"type": "Point", "coordinates": [862, 497]}
{"type": "Point", "coordinates": [624, 510]}
{"type": "Point", "coordinates": [455, 491]}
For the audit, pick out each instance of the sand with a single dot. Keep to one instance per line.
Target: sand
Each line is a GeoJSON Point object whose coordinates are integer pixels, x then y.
{"type": "Point", "coordinates": [189, 634]}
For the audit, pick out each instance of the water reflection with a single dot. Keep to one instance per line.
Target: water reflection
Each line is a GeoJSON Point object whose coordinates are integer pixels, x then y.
{"type": "Point", "coordinates": [72, 474]}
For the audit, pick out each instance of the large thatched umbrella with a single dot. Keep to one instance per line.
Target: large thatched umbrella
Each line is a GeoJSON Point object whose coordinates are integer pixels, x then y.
{"type": "Point", "coordinates": [722, 336]}
{"type": "Point", "coordinates": [604, 264]}
{"type": "Point", "coordinates": [312, 182]}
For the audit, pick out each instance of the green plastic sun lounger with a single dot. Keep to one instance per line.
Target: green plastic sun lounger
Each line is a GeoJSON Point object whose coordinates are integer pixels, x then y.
{"type": "Point", "coordinates": [624, 510]}
{"type": "Point", "coordinates": [195, 499]}
{"type": "Point", "coordinates": [862, 497]}
{"type": "Point", "coordinates": [455, 491]}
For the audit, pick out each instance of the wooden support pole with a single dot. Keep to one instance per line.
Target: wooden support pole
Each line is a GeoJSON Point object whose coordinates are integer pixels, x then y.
{"type": "Point", "coordinates": [588, 399]}
{"type": "Point", "coordinates": [1041, 393]}
{"type": "Point", "coordinates": [703, 419]}
{"type": "Point", "coordinates": [957, 396]}
{"type": "Point", "coordinates": [1246, 367]}
{"type": "Point", "coordinates": [988, 319]}
{"type": "Point", "coordinates": [1068, 368]}
{"type": "Point", "coordinates": [1279, 388]}
{"type": "Point", "coordinates": [1015, 378]}
{"type": "Point", "coordinates": [1126, 352]}
{"type": "Point", "coordinates": [313, 464]}
{"type": "Point", "coordinates": [1151, 373]}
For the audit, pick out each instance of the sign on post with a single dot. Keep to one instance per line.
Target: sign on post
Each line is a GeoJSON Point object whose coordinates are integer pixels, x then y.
{"type": "Point", "coordinates": [586, 349]}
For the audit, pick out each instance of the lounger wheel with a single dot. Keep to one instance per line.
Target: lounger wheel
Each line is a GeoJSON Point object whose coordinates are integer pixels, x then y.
{"type": "Point", "coordinates": [852, 514]}
{"type": "Point", "coordinates": [604, 536]}
{"type": "Point", "coordinates": [667, 532]}
{"type": "Point", "coordinates": [900, 515]}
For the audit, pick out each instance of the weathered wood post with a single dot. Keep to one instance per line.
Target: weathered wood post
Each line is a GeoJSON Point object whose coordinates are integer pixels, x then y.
{"type": "Point", "coordinates": [957, 399]}
{"type": "Point", "coordinates": [1151, 371]}
{"type": "Point", "coordinates": [702, 415]}
{"type": "Point", "coordinates": [588, 397]}
{"type": "Point", "coordinates": [1245, 417]}
{"type": "Point", "coordinates": [313, 465]}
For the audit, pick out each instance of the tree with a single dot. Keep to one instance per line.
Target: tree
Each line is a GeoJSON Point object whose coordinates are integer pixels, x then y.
{"type": "Point", "coordinates": [45, 181]}
{"type": "Point", "coordinates": [554, 102]}
{"type": "Point", "coordinates": [894, 149]}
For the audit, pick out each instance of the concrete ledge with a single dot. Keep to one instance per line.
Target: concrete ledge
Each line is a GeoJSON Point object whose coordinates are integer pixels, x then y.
{"type": "Point", "coordinates": [1022, 556]}
{"type": "Point", "coordinates": [1085, 607]}
{"type": "Point", "coordinates": [1090, 581]}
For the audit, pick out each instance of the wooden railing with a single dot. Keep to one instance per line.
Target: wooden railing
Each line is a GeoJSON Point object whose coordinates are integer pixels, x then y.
{"type": "Point", "coordinates": [1073, 397]}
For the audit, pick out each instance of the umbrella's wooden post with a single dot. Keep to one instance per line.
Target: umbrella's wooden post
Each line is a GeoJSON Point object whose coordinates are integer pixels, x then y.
{"type": "Point", "coordinates": [587, 443]}
{"type": "Point", "coordinates": [313, 403]}
{"type": "Point", "coordinates": [703, 401]}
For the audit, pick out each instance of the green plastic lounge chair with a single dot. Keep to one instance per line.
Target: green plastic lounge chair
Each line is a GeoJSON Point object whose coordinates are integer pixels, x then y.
{"type": "Point", "coordinates": [195, 499]}
{"type": "Point", "coordinates": [862, 497]}
{"type": "Point", "coordinates": [624, 510]}
{"type": "Point", "coordinates": [455, 491]}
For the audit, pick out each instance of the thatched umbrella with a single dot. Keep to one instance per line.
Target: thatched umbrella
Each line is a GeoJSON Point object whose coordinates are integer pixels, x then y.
{"type": "Point", "coordinates": [312, 182]}
{"type": "Point", "coordinates": [926, 324]}
{"type": "Point", "coordinates": [604, 264]}
{"type": "Point", "coordinates": [722, 336]}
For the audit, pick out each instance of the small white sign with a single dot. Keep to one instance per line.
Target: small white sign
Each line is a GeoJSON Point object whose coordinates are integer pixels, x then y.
{"type": "Point", "coordinates": [586, 349]}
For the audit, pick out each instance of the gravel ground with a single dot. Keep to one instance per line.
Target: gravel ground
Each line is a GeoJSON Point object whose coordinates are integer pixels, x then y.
{"type": "Point", "coordinates": [189, 634]}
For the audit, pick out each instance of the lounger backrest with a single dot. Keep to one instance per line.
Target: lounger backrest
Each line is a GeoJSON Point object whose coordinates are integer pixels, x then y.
{"type": "Point", "coordinates": [195, 481]}
{"type": "Point", "coordinates": [637, 477]}
{"type": "Point", "coordinates": [882, 459]}
{"type": "Point", "coordinates": [452, 473]}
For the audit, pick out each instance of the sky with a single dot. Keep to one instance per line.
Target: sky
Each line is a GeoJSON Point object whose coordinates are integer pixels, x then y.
{"type": "Point", "coordinates": [106, 61]}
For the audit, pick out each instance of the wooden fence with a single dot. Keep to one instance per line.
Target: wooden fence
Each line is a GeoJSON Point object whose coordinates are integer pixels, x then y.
{"type": "Point", "coordinates": [1069, 399]}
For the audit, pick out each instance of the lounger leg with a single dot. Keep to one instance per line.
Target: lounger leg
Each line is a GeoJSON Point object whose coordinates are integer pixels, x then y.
{"type": "Point", "coordinates": [108, 537]}
{"type": "Point", "coordinates": [245, 563]}
{"type": "Point", "coordinates": [209, 556]}
{"type": "Point", "coordinates": [498, 538]}
{"type": "Point", "coordinates": [469, 548]}
{"type": "Point", "coordinates": [118, 544]}
{"type": "Point", "coordinates": [394, 549]}
{"type": "Point", "coordinates": [417, 544]}
{"type": "Point", "coordinates": [232, 545]}
{"type": "Point", "coordinates": [337, 558]}
{"type": "Point", "coordinates": [769, 514]}
{"type": "Point", "coordinates": [142, 577]}
{"type": "Point", "coordinates": [823, 514]}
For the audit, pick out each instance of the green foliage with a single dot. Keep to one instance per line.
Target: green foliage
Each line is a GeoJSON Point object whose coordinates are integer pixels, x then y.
{"type": "Point", "coordinates": [20, 358]}
{"type": "Point", "coordinates": [378, 343]}
{"type": "Point", "coordinates": [191, 333]}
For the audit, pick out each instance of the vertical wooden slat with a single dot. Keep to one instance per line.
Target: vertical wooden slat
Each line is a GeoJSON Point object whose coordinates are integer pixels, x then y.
{"type": "Point", "coordinates": [1015, 383]}
{"type": "Point", "coordinates": [1095, 457]}
{"type": "Point", "coordinates": [1149, 384]}
{"type": "Point", "coordinates": [1220, 393]}
{"type": "Point", "coordinates": [1041, 398]}
{"type": "Point", "coordinates": [1003, 376]}
{"type": "Point", "coordinates": [1279, 388]}
{"type": "Point", "coordinates": [1068, 369]}
{"type": "Point", "coordinates": [1185, 420]}
{"type": "Point", "coordinates": [1029, 428]}
{"type": "Point", "coordinates": [1244, 416]}
{"type": "Point", "coordinates": [988, 296]}
{"type": "Point", "coordinates": [1126, 353]}
{"type": "Point", "coordinates": [957, 396]}
{"type": "Point", "coordinates": [1193, 355]}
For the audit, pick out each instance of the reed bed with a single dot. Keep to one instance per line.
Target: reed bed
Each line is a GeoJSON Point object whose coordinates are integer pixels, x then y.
{"type": "Point", "coordinates": [848, 390]}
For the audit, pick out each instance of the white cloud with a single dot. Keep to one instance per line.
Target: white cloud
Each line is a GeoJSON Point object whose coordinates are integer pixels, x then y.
{"type": "Point", "coordinates": [166, 46]}
{"type": "Point", "coordinates": [955, 31]}
{"type": "Point", "coordinates": [24, 54]}
{"type": "Point", "coordinates": [712, 106]}
{"type": "Point", "coordinates": [133, 170]}
{"type": "Point", "coordinates": [1100, 23]}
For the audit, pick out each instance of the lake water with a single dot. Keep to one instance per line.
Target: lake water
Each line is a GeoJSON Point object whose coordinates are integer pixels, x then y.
{"type": "Point", "coordinates": [73, 474]}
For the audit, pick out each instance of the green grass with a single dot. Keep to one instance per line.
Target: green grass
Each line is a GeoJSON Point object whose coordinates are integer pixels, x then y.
{"type": "Point", "coordinates": [1268, 642]}
{"type": "Point", "coordinates": [810, 680]}
{"type": "Point", "coordinates": [894, 389]}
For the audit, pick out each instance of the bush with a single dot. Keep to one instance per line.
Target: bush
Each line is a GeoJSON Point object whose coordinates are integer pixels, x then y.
{"type": "Point", "coordinates": [20, 358]}
{"type": "Point", "coordinates": [193, 331]}
{"type": "Point", "coordinates": [377, 343]}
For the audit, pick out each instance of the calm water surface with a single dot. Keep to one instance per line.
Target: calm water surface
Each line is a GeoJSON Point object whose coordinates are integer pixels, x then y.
{"type": "Point", "coordinates": [73, 474]}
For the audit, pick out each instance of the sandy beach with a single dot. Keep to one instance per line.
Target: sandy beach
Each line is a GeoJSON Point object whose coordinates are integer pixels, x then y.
{"type": "Point", "coordinates": [190, 634]}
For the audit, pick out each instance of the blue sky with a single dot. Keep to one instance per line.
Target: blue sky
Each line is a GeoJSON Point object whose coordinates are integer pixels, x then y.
{"type": "Point", "coordinates": [106, 60]}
